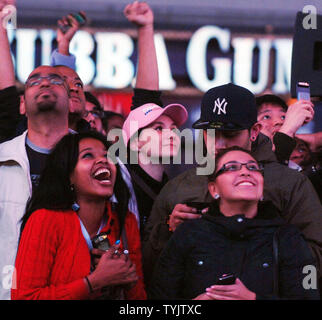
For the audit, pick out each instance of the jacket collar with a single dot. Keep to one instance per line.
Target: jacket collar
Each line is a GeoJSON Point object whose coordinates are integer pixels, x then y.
{"type": "Point", "coordinates": [262, 149]}
{"type": "Point", "coordinates": [267, 216]}
{"type": "Point", "coordinates": [15, 150]}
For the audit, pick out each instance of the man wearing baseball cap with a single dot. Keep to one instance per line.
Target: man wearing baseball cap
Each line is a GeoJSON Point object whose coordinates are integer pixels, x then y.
{"type": "Point", "coordinates": [228, 107]}
{"type": "Point", "coordinates": [232, 112]}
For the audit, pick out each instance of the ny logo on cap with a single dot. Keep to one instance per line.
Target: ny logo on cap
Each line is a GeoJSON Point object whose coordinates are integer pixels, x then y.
{"type": "Point", "coordinates": [220, 106]}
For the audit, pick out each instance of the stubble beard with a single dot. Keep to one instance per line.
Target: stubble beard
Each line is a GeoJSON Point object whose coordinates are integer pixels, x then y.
{"type": "Point", "coordinates": [46, 106]}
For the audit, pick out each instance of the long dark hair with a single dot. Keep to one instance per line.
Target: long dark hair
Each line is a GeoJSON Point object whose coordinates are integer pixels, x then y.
{"type": "Point", "coordinates": [54, 190]}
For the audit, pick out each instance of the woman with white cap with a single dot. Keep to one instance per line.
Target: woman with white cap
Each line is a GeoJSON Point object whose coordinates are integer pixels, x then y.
{"type": "Point", "coordinates": [148, 132]}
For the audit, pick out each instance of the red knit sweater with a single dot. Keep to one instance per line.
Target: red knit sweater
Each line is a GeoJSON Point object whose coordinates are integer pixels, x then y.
{"type": "Point", "coordinates": [53, 257]}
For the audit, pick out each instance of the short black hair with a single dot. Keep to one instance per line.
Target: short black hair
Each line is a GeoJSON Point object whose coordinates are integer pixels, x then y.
{"type": "Point", "coordinates": [108, 115]}
{"type": "Point", "coordinates": [92, 99]}
{"type": "Point", "coordinates": [272, 99]}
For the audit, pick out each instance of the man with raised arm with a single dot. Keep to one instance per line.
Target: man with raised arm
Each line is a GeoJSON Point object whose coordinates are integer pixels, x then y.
{"type": "Point", "coordinates": [22, 159]}
{"type": "Point", "coordinates": [290, 191]}
{"type": "Point", "coordinates": [45, 102]}
{"type": "Point", "coordinates": [9, 97]}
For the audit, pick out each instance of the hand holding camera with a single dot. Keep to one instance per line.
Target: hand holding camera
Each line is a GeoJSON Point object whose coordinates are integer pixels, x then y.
{"type": "Point", "coordinates": [298, 114]}
{"type": "Point", "coordinates": [113, 268]}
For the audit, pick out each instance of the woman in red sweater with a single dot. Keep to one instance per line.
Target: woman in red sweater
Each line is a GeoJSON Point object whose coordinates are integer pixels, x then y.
{"type": "Point", "coordinates": [71, 206]}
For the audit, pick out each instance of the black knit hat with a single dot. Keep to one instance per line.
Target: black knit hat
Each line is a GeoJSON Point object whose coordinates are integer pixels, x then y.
{"type": "Point", "coordinates": [227, 107]}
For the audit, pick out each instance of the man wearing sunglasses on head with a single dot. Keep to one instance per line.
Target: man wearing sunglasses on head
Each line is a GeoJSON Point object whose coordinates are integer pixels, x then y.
{"type": "Point", "coordinates": [229, 118]}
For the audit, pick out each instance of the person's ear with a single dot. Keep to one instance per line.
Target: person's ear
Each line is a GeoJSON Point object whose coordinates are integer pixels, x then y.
{"type": "Point", "coordinates": [22, 105]}
{"type": "Point", "coordinates": [212, 188]}
{"type": "Point", "coordinates": [255, 130]}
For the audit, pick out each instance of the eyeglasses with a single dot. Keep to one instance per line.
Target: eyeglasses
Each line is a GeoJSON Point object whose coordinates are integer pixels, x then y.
{"type": "Point", "coordinates": [36, 81]}
{"type": "Point", "coordinates": [94, 113]}
{"type": "Point", "coordinates": [236, 166]}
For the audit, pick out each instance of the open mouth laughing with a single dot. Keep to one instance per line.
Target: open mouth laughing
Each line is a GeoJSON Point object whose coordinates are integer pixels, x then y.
{"type": "Point", "coordinates": [103, 175]}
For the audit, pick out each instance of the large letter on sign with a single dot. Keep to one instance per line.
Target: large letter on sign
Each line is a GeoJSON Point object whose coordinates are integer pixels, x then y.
{"type": "Point", "coordinates": [114, 68]}
{"type": "Point", "coordinates": [82, 47]}
{"type": "Point", "coordinates": [197, 58]}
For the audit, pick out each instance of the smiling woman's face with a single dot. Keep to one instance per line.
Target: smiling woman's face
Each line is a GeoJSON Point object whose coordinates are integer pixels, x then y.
{"type": "Point", "coordinates": [94, 174]}
{"type": "Point", "coordinates": [237, 185]}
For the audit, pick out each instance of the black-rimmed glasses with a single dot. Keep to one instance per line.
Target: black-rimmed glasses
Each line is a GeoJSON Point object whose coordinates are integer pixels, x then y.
{"type": "Point", "coordinates": [236, 166]}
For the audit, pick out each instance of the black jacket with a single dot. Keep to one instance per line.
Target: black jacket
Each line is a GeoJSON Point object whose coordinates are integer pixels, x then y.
{"type": "Point", "coordinates": [290, 191]}
{"type": "Point", "coordinates": [202, 250]}
{"type": "Point", "coordinates": [9, 113]}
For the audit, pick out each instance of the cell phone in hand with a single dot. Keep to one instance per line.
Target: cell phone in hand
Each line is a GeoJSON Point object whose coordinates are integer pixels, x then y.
{"type": "Point", "coordinates": [198, 205]}
{"type": "Point", "coordinates": [101, 242]}
{"type": "Point", "coordinates": [226, 279]}
{"type": "Point", "coordinates": [303, 91]}
{"type": "Point", "coordinates": [81, 19]}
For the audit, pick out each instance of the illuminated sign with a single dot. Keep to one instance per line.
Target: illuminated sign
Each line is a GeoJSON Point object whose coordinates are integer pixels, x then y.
{"type": "Point", "coordinates": [112, 66]}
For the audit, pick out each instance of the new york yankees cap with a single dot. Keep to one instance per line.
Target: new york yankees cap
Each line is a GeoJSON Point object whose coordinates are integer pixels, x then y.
{"type": "Point", "coordinates": [227, 107]}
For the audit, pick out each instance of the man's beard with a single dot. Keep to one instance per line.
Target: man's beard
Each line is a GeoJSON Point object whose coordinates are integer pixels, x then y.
{"type": "Point", "coordinates": [45, 106]}
{"type": "Point", "coordinates": [45, 102]}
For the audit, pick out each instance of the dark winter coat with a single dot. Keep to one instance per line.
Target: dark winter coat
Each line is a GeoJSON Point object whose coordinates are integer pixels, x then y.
{"type": "Point", "coordinates": [290, 191]}
{"type": "Point", "coordinates": [202, 250]}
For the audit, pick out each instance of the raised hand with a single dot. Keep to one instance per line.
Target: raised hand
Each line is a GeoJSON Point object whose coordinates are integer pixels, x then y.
{"type": "Point", "coordinates": [5, 9]}
{"type": "Point", "coordinates": [63, 39]}
{"type": "Point", "coordinates": [298, 114]}
{"type": "Point", "coordinates": [139, 13]}
{"type": "Point", "coordinates": [7, 74]}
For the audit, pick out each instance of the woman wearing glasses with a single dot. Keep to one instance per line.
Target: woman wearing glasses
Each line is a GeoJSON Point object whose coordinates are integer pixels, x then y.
{"type": "Point", "coordinates": [234, 240]}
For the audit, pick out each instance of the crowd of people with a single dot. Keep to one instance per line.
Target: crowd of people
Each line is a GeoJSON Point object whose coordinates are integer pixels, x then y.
{"type": "Point", "coordinates": [77, 222]}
